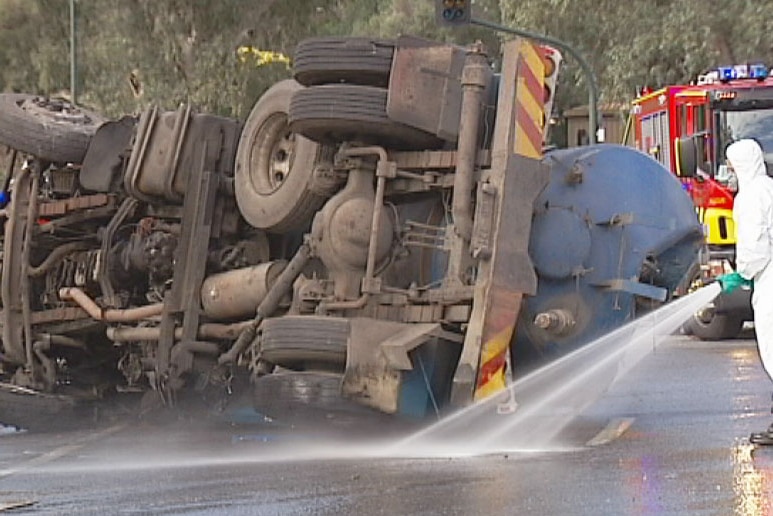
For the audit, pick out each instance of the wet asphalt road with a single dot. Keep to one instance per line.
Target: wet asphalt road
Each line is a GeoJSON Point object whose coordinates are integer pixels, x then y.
{"type": "Point", "coordinates": [669, 438]}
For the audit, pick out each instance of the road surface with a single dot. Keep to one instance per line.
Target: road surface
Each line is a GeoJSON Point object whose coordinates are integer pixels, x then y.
{"type": "Point", "coordinates": [671, 437]}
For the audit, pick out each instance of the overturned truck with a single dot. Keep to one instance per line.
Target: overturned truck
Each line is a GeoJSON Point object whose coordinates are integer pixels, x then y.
{"type": "Point", "coordinates": [383, 231]}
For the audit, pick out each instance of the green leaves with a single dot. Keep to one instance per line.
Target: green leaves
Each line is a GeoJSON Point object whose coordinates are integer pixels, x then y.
{"type": "Point", "coordinates": [186, 50]}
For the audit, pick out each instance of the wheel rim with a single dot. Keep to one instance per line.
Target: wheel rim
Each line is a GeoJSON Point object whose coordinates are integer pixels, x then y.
{"type": "Point", "coordinates": [57, 110]}
{"type": "Point", "coordinates": [272, 155]}
{"type": "Point", "coordinates": [705, 314]}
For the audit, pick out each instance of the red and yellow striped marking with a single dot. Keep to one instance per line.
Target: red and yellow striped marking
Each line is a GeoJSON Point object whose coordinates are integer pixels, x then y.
{"type": "Point", "coordinates": [529, 101]}
{"type": "Point", "coordinates": [497, 332]}
{"type": "Point", "coordinates": [504, 303]}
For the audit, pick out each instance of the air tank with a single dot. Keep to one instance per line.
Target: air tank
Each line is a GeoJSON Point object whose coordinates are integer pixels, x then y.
{"type": "Point", "coordinates": [237, 293]}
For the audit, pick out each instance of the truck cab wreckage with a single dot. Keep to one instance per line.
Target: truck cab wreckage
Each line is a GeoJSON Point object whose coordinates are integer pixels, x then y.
{"type": "Point", "coordinates": [383, 231]}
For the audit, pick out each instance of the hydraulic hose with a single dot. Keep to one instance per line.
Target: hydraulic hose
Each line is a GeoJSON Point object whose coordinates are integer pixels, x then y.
{"type": "Point", "coordinates": [475, 76]}
{"type": "Point", "coordinates": [112, 314]}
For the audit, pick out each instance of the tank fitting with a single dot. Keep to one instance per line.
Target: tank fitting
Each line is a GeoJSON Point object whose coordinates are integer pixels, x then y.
{"type": "Point", "coordinates": [557, 321]}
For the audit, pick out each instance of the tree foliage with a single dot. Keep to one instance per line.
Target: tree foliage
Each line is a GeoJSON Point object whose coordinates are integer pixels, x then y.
{"type": "Point", "coordinates": [131, 54]}
{"type": "Point", "coordinates": [647, 42]}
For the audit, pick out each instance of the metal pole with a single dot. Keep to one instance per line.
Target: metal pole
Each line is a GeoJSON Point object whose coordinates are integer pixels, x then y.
{"type": "Point", "coordinates": [592, 88]}
{"type": "Point", "coordinates": [73, 56]}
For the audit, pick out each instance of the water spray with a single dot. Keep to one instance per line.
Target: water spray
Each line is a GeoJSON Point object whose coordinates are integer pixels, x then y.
{"type": "Point", "coordinates": [550, 397]}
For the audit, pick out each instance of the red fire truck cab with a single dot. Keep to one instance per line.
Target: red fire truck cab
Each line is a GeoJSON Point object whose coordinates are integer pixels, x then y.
{"type": "Point", "coordinates": [687, 128]}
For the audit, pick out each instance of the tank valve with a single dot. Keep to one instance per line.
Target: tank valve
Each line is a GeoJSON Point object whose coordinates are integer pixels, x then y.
{"type": "Point", "coordinates": [556, 321]}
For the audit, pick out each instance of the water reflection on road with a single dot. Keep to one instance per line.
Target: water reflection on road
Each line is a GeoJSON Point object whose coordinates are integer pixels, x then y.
{"type": "Point", "coordinates": [753, 480]}
{"type": "Point", "coordinates": [752, 465]}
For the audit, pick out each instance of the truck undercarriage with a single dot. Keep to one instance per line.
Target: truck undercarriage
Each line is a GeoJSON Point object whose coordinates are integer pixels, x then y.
{"type": "Point", "coordinates": [360, 241]}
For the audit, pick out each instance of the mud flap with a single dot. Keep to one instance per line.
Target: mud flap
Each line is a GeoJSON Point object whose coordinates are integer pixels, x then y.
{"type": "Point", "coordinates": [377, 356]}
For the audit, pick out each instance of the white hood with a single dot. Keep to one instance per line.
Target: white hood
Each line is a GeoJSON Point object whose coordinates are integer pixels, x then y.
{"type": "Point", "coordinates": [747, 159]}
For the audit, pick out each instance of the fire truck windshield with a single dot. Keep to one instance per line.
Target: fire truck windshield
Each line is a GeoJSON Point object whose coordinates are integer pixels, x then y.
{"type": "Point", "coordinates": [757, 124]}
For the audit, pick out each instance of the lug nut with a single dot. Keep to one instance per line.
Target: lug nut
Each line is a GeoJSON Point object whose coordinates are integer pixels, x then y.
{"type": "Point", "coordinates": [555, 321]}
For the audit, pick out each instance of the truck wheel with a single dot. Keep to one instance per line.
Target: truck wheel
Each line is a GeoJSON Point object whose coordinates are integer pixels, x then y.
{"type": "Point", "coordinates": [49, 129]}
{"type": "Point", "coordinates": [365, 61]}
{"type": "Point", "coordinates": [276, 188]}
{"type": "Point", "coordinates": [305, 342]}
{"type": "Point", "coordinates": [334, 113]}
{"type": "Point", "coordinates": [297, 398]}
{"type": "Point", "coordinates": [714, 327]}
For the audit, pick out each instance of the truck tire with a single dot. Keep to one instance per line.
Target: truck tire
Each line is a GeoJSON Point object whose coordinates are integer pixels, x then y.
{"type": "Point", "coordinates": [298, 398]}
{"type": "Point", "coordinates": [275, 185]}
{"type": "Point", "coordinates": [718, 327]}
{"type": "Point", "coordinates": [49, 129]}
{"type": "Point", "coordinates": [364, 61]}
{"type": "Point", "coordinates": [335, 113]}
{"type": "Point", "coordinates": [305, 342]}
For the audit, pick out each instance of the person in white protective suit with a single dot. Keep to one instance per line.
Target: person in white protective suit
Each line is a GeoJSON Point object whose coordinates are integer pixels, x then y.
{"type": "Point", "coordinates": [753, 216]}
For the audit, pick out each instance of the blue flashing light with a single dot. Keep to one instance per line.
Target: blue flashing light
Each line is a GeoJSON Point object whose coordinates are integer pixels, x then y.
{"type": "Point", "coordinates": [727, 73]}
{"type": "Point", "coordinates": [758, 71]}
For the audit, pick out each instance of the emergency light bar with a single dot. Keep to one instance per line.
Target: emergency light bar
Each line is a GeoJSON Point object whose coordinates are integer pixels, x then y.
{"type": "Point", "coordinates": [744, 71]}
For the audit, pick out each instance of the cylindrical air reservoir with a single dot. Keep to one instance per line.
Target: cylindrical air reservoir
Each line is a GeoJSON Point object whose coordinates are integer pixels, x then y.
{"type": "Point", "coordinates": [237, 293]}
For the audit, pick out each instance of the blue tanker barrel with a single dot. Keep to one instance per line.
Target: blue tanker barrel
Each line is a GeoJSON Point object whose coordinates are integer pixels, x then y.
{"type": "Point", "coordinates": [612, 229]}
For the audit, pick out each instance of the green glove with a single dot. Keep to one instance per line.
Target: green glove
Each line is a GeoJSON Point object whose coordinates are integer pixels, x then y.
{"type": "Point", "coordinates": [732, 281]}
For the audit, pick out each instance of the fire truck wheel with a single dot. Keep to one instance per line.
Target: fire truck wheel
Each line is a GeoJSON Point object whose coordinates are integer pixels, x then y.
{"type": "Point", "coordinates": [297, 398]}
{"type": "Point", "coordinates": [714, 327]}
{"type": "Point", "coordinates": [275, 182]}
{"type": "Point", "coordinates": [49, 129]}
{"type": "Point", "coordinates": [305, 342]}
{"type": "Point", "coordinates": [40, 412]}
{"type": "Point", "coordinates": [333, 113]}
{"type": "Point", "coordinates": [365, 61]}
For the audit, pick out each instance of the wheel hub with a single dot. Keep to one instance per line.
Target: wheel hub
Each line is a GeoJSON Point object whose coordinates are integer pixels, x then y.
{"type": "Point", "coordinates": [272, 156]}
{"type": "Point", "coordinates": [60, 110]}
{"type": "Point", "coordinates": [706, 314]}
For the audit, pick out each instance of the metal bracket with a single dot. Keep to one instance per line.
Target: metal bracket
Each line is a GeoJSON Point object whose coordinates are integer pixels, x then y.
{"type": "Point", "coordinates": [635, 288]}
{"type": "Point", "coordinates": [480, 243]}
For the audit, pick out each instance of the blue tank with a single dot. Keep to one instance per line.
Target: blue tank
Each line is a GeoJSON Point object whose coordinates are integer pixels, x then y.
{"type": "Point", "coordinates": [613, 235]}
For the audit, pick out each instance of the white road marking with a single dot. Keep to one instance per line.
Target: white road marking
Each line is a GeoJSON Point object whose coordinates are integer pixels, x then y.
{"type": "Point", "coordinates": [612, 431]}
{"type": "Point", "coordinates": [7, 506]}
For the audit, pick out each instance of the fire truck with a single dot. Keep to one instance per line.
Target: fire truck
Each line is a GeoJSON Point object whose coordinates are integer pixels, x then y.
{"type": "Point", "coordinates": [687, 128]}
